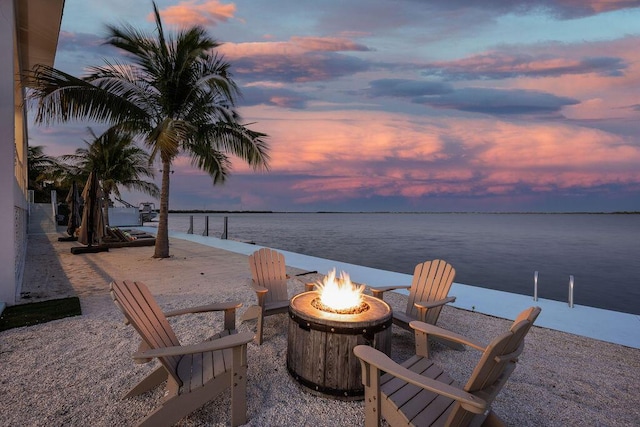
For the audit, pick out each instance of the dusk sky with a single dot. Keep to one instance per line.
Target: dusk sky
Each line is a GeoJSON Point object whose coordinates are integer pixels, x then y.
{"type": "Point", "coordinates": [406, 105]}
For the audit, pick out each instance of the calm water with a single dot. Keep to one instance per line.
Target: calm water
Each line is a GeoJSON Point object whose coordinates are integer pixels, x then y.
{"type": "Point", "coordinates": [497, 251]}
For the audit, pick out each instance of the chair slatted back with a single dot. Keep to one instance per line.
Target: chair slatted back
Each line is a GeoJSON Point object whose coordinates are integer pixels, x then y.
{"type": "Point", "coordinates": [143, 312]}
{"type": "Point", "coordinates": [268, 270]}
{"type": "Point", "coordinates": [496, 364]}
{"type": "Point", "coordinates": [431, 281]}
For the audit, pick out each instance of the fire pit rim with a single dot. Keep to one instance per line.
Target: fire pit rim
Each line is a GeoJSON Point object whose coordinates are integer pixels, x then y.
{"type": "Point", "coordinates": [379, 311]}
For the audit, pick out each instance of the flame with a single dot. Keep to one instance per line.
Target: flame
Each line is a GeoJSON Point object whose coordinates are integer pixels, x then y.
{"type": "Point", "coordinates": [340, 294]}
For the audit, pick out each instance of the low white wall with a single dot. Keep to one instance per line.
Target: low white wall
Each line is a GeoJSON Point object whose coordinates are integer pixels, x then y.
{"type": "Point", "coordinates": [124, 217]}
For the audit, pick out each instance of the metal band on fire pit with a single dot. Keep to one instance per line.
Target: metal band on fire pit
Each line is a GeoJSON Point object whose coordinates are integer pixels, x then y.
{"type": "Point", "coordinates": [346, 330]}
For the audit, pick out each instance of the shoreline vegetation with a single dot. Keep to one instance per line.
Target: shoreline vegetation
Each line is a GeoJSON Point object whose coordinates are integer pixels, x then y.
{"type": "Point", "coordinates": [198, 211]}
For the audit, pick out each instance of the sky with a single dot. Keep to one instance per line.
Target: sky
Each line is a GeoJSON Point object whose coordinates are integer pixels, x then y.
{"type": "Point", "coordinates": [405, 105]}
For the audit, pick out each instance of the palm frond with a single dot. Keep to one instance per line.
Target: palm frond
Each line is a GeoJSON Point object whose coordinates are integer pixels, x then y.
{"type": "Point", "coordinates": [239, 140]}
{"type": "Point", "coordinates": [62, 97]}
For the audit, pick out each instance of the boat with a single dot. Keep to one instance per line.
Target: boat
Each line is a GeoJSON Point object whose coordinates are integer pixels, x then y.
{"type": "Point", "coordinates": [148, 212]}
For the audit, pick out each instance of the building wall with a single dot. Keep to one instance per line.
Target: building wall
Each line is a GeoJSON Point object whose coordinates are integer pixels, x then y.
{"type": "Point", "coordinates": [12, 224]}
{"type": "Point", "coordinates": [29, 31]}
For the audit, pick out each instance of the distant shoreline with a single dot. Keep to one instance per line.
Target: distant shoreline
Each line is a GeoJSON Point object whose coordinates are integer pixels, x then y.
{"type": "Point", "coordinates": [198, 211]}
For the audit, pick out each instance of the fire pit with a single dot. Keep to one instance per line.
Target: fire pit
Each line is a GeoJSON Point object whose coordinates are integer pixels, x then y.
{"type": "Point", "coordinates": [322, 334]}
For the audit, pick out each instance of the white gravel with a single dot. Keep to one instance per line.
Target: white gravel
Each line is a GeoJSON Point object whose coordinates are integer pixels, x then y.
{"type": "Point", "coordinates": [74, 371]}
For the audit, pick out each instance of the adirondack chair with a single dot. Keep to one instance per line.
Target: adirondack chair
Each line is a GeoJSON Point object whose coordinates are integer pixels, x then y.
{"type": "Point", "coordinates": [196, 373]}
{"type": "Point", "coordinates": [418, 393]}
{"type": "Point", "coordinates": [269, 275]}
{"type": "Point", "coordinates": [427, 295]}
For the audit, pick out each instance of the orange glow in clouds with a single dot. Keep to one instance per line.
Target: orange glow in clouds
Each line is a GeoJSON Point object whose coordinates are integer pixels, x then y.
{"type": "Point", "coordinates": [346, 154]}
{"type": "Point", "coordinates": [188, 13]}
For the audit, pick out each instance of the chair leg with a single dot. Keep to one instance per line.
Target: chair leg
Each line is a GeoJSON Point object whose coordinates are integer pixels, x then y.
{"type": "Point", "coordinates": [372, 407]}
{"type": "Point", "coordinates": [493, 420]}
{"type": "Point", "coordinates": [239, 388]}
{"type": "Point", "coordinates": [154, 379]}
{"type": "Point", "coordinates": [259, 328]}
{"type": "Point", "coordinates": [177, 407]}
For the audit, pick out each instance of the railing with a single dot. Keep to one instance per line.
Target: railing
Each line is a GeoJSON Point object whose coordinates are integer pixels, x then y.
{"type": "Point", "coordinates": [571, 291]}
{"type": "Point", "coordinates": [224, 234]}
{"type": "Point", "coordinates": [535, 288]}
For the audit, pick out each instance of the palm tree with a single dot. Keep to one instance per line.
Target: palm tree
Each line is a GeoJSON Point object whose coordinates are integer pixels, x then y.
{"type": "Point", "coordinates": [176, 93]}
{"type": "Point", "coordinates": [43, 171]}
{"type": "Point", "coordinates": [117, 161]}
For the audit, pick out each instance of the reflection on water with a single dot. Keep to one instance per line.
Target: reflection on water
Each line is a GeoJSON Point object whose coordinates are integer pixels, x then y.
{"type": "Point", "coordinates": [497, 251]}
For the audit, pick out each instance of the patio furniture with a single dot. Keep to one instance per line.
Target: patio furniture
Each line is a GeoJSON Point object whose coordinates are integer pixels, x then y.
{"type": "Point", "coordinates": [269, 275]}
{"type": "Point", "coordinates": [427, 295]}
{"type": "Point", "coordinates": [418, 393]}
{"type": "Point", "coordinates": [195, 374]}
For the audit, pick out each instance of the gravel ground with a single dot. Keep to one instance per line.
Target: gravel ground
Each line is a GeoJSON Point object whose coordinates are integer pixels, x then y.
{"type": "Point", "coordinates": [74, 371]}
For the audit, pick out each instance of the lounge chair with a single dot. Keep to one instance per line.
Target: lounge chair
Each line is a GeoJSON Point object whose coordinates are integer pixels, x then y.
{"type": "Point", "coordinates": [269, 275]}
{"type": "Point", "coordinates": [427, 294]}
{"type": "Point", "coordinates": [196, 373]}
{"type": "Point", "coordinates": [418, 393]}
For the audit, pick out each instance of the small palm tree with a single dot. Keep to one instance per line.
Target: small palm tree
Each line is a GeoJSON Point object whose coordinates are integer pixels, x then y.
{"type": "Point", "coordinates": [42, 170]}
{"type": "Point", "coordinates": [117, 161]}
{"type": "Point", "coordinates": [176, 93]}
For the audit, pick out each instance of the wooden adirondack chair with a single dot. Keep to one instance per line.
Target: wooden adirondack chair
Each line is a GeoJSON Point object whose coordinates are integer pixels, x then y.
{"type": "Point", "coordinates": [418, 393]}
{"type": "Point", "coordinates": [196, 373]}
{"type": "Point", "coordinates": [427, 293]}
{"type": "Point", "coordinates": [268, 271]}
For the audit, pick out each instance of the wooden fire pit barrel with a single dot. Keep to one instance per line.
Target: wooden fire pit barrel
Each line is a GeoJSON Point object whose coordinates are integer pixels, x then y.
{"type": "Point", "coordinates": [320, 344]}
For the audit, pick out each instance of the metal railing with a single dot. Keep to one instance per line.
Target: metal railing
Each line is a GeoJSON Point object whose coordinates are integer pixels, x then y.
{"type": "Point", "coordinates": [535, 288]}
{"type": "Point", "coordinates": [224, 234]}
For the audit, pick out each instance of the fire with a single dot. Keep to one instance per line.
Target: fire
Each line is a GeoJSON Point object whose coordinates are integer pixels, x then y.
{"type": "Point", "coordinates": [340, 294]}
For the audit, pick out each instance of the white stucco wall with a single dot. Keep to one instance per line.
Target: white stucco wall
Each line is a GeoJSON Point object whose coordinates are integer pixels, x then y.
{"type": "Point", "coordinates": [8, 188]}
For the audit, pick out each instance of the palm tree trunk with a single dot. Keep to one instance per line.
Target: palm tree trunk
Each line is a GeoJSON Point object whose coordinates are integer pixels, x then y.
{"type": "Point", "coordinates": [105, 208]}
{"type": "Point", "coordinates": [162, 238]}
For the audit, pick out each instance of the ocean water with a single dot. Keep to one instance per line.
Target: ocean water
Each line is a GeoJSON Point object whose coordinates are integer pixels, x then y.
{"type": "Point", "coordinates": [496, 251]}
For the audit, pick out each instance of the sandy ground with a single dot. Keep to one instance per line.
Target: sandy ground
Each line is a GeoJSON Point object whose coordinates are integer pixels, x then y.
{"type": "Point", "coordinates": [74, 371]}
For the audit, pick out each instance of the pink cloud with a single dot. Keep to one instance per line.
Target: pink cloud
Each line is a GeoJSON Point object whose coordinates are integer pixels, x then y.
{"type": "Point", "coordinates": [600, 6]}
{"type": "Point", "coordinates": [294, 46]}
{"type": "Point", "coordinates": [347, 154]}
{"type": "Point", "coordinates": [327, 44]}
{"type": "Point", "coordinates": [604, 76]}
{"type": "Point", "coordinates": [208, 13]}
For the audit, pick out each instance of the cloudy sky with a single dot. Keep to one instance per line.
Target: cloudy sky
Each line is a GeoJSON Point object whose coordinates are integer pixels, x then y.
{"type": "Point", "coordinates": [407, 105]}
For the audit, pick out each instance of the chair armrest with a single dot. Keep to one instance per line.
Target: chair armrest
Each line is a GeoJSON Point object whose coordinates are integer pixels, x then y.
{"type": "Point", "coordinates": [261, 293]}
{"type": "Point", "coordinates": [229, 309]}
{"type": "Point", "coordinates": [428, 329]}
{"type": "Point", "coordinates": [432, 304]}
{"type": "Point", "coordinates": [309, 286]}
{"type": "Point", "coordinates": [260, 290]}
{"type": "Point", "coordinates": [228, 341]}
{"type": "Point", "coordinates": [382, 362]}
{"type": "Point", "coordinates": [379, 291]}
